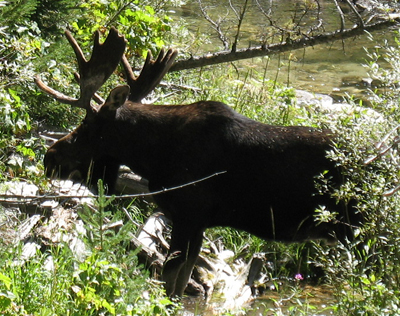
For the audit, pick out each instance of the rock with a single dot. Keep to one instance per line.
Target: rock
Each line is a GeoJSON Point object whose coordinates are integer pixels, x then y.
{"type": "Point", "coordinates": [326, 105]}
{"type": "Point", "coordinates": [17, 189]}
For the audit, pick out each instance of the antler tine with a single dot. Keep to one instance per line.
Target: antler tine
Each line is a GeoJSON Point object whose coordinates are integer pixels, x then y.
{"type": "Point", "coordinates": [130, 76]}
{"type": "Point", "coordinates": [55, 94]}
{"type": "Point", "coordinates": [77, 49]}
{"type": "Point", "coordinates": [93, 73]}
{"type": "Point", "coordinates": [151, 74]}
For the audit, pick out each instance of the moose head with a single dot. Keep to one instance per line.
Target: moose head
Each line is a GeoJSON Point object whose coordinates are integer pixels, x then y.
{"type": "Point", "coordinates": [78, 155]}
{"type": "Point", "coordinates": [266, 174]}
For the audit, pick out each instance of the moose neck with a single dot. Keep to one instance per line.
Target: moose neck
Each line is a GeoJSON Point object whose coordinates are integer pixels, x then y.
{"type": "Point", "coordinates": [151, 138]}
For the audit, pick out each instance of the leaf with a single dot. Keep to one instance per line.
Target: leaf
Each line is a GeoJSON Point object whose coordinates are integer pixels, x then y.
{"type": "Point", "coordinates": [5, 302]}
{"type": "Point", "coordinates": [6, 280]}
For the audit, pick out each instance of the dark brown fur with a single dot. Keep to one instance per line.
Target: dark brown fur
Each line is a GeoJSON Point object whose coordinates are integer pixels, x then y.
{"type": "Point", "coordinates": [267, 181]}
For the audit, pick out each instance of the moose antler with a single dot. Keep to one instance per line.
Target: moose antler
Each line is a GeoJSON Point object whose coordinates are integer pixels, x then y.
{"type": "Point", "coordinates": [93, 73]}
{"type": "Point", "coordinates": [150, 76]}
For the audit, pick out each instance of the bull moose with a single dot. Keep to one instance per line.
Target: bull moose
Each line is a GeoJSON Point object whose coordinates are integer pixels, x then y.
{"type": "Point", "coordinates": [264, 179]}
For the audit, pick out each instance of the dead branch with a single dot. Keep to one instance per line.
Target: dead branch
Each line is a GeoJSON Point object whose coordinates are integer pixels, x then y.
{"type": "Point", "coordinates": [215, 25]}
{"type": "Point", "coordinates": [23, 198]}
{"type": "Point", "coordinates": [284, 46]}
{"type": "Point", "coordinates": [240, 17]}
{"type": "Point", "coordinates": [342, 20]}
{"type": "Point", "coordinates": [354, 10]}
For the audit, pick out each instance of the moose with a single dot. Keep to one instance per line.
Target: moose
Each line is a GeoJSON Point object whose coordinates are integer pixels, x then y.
{"type": "Point", "coordinates": [257, 177]}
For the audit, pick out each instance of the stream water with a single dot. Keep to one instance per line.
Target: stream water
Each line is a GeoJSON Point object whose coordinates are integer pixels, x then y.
{"type": "Point", "coordinates": [335, 69]}
{"type": "Point", "coordinates": [304, 300]}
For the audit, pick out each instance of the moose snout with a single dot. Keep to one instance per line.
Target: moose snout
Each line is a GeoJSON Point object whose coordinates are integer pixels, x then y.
{"type": "Point", "coordinates": [50, 163]}
{"type": "Point", "coordinates": [57, 165]}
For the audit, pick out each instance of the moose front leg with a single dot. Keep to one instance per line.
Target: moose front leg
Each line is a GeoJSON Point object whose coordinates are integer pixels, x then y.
{"type": "Point", "coordinates": [184, 250]}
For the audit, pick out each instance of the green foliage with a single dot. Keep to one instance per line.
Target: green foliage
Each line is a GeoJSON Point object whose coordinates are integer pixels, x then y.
{"type": "Point", "coordinates": [48, 16]}
{"type": "Point", "coordinates": [103, 287]}
{"type": "Point", "coordinates": [27, 287]}
{"type": "Point", "coordinates": [105, 280]}
{"type": "Point", "coordinates": [101, 236]}
{"type": "Point", "coordinates": [366, 272]}
{"type": "Point", "coordinates": [27, 27]}
{"type": "Point", "coordinates": [247, 91]}
{"type": "Point", "coordinates": [143, 27]}
{"type": "Point", "coordinates": [16, 12]}
{"type": "Point", "coordinates": [18, 146]}
{"type": "Point", "coordinates": [69, 287]}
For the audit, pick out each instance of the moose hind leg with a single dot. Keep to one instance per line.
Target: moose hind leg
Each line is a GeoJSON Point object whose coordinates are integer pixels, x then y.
{"type": "Point", "coordinates": [184, 250]}
{"type": "Point", "coordinates": [186, 270]}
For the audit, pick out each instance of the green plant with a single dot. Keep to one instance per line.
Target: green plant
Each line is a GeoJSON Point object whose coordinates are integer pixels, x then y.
{"type": "Point", "coordinates": [365, 271]}
{"type": "Point", "coordinates": [143, 26]}
{"type": "Point", "coordinates": [18, 146]}
{"type": "Point", "coordinates": [107, 280]}
{"type": "Point", "coordinates": [101, 286]}
{"type": "Point", "coordinates": [29, 287]}
{"type": "Point", "coordinates": [248, 92]}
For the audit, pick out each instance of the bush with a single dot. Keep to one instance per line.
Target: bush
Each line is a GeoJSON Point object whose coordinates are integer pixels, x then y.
{"type": "Point", "coordinates": [366, 272]}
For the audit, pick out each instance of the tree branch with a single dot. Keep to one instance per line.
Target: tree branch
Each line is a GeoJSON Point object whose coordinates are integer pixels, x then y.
{"type": "Point", "coordinates": [359, 18]}
{"type": "Point", "coordinates": [273, 49]}
{"type": "Point", "coordinates": [215, 25]}
{"type": "Point", "coordinates": [342, 23]}
{"type": "Point", "coordinates": [240, 17]}
{"type": "Point", "coordinates": [16, 198]}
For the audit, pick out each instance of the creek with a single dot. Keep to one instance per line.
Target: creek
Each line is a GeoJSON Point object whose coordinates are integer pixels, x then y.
{"type": "Point", "coordinates": [303, 300]}
{"type": "Point", "coordinates": [336, 69]}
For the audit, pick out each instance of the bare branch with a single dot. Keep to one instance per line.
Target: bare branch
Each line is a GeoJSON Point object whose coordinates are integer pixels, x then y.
{"type": "Point", "coordinates": [216, 26]}
{"type": "Point", "coordinates": [353, 8]}
{"type": "Point", "coordinates": [273, 49]}
{"type": "Point", "coordinates": [240, 17]}
{"type": "Point", "coordinates": [268, 16]}
{"type": "Point", "coordinates": [341, 15]}
{"type": "Point", "coordinates": [319, 19]}
{"type": "Point", "coordinates": [7, 197]}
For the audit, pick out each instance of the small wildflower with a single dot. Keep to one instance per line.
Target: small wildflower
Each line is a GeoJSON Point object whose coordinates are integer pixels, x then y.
{"type": "Point", "coordinates": [298, 277]}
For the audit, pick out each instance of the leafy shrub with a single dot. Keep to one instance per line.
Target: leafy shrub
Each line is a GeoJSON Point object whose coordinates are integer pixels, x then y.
{"type": "Point", "coordinates": [365, 272]}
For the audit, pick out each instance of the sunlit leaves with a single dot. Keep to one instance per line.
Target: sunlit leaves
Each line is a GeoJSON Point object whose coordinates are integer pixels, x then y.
{"type": "Point", "coordinates": [143, 27]}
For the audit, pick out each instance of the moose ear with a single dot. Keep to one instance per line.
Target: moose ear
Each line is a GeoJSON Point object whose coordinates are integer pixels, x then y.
{"type": "Point", "coordinates": [116, 98]}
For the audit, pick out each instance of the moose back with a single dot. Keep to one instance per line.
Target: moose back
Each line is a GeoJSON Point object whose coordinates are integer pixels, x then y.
{"type": "Point", "coordinates": [264, 176]}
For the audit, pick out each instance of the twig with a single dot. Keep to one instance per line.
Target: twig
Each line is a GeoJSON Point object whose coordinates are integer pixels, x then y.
{"type": "Point", "coordinates": [240, 17]}
{"type": "Point", "coordinates": [6, 197]}
{"type": "Point", "coordinates": [359, 18]}
{"type": "Point", "coordinates": [216, 26]}
{"type": "Point", "coordinates": [109, 22]}
{"type": "Point", "coordinates": [341, 15]}
{"type": "Point", "coordinates": [383, 150]}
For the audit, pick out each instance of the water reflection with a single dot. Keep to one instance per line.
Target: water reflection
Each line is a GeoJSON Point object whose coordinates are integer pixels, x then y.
{"type": "Point", "coordinates": [299, 300]}
{"type": "Point", "coordinates": [305, 300]}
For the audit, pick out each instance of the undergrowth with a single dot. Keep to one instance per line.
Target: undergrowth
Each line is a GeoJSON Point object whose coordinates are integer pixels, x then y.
{"type": "Point", "coordinates": [108, 280]}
